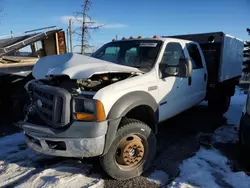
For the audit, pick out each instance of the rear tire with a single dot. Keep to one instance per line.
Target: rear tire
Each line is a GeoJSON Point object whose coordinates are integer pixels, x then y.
{"type": "Point", "coordinates": [131, 152]}
{"type": "Point", "coordinates": [243, 135]}
{"type": "Point", "coordinates": [220, 104]}
{"type": "Point", "coordinates": [226, 100]}
{"type": "Point", "coordinates": [244, 149]}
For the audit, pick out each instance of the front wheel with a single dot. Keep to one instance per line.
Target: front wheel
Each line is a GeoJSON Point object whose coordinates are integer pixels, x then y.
{"type": "Point", "coordinates": [131, 152]}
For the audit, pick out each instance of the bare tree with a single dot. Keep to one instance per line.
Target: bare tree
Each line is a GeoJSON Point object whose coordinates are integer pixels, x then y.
{"type": "Point", "coordinates": [86, 25]}
{"type": "Point", "coordinates": [246, 62]}
{"type": "Point", "coordinates": [246, 55]}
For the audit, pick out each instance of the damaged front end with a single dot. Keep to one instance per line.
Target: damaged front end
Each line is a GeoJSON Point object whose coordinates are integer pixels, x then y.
{"type": "Point", "coordinates": [54, 122]}
{"type": "Point", "coordinates": [99, 81]}
{"type": "Point", "coordinates": [53, 99]}
{"type": "Point", "coordinates": [63, 119]}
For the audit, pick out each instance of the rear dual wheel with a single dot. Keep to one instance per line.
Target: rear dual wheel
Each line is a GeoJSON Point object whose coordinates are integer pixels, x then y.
{"type": "Point", "coordinates": [220, 104]}
{"type": "Point", "coordinates": [131, 152]}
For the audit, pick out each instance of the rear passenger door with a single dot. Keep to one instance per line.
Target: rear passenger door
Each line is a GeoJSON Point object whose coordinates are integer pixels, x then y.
{"type": "Point", "coordinates": [198, 80]}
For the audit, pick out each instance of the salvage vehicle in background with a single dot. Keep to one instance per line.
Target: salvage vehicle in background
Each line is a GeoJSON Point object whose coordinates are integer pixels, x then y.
{"type": "Point", "coordinates": [110, 104]}
{"type": "Point", "coordinates": [16, 65]}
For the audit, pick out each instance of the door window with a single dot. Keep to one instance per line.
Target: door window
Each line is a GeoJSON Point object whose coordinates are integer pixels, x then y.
{"type": "Point", "coordinates": [172, 54]}
{"type": "Point", "coordinates": [195, 56]}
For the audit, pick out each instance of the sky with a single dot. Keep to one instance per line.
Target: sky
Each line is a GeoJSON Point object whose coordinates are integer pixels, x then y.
{"type": "Point", "coordinates": [130, 17]}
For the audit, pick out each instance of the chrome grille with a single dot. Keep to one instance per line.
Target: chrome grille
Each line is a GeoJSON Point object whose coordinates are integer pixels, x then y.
{"type": "Point", "coordinates": [52, 104]}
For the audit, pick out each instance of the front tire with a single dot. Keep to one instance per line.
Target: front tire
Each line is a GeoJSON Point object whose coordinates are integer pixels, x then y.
{"type": "Point", "coordinates": [131, 152]}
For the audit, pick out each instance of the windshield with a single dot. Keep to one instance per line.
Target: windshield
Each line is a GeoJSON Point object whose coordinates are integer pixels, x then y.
{"type": "Point", "coordinates": [141, 54]}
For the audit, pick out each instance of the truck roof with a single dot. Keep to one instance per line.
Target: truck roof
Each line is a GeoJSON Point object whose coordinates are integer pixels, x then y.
{"type": "Point", "coordinates": [156, 39]}
{"type": "Point", "coordinates": [196, 37]}
{"type": "Point", "coordinates": [204, 37]}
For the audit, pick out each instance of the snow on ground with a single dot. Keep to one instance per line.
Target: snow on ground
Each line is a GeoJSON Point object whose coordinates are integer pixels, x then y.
{"type": "Point", "coordinates": [209, 168]}
{"type": "Point", "coordinates": [229, 133]}
{"type": "Point", "coordinates": [63, 176]}
{"type": "Point", "coordinates": [159, 177]}
{"type": "Point", "coordinates": [22, 167]}
{"type": "Point", "coordinates": [233, 115]}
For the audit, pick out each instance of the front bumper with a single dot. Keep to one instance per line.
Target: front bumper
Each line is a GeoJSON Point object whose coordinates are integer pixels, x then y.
{"type": "Point", "coordinates": [80, 139]}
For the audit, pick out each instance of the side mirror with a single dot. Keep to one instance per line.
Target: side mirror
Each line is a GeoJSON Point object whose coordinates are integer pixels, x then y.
{"type": "Point", "coordinates": [183, 70]}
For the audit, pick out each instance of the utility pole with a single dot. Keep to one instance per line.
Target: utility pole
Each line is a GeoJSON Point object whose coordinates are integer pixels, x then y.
{"type": "Point", "coordinates": [70, 35]}
{"type": "Point", "coordinates": [85, 8]}
{"type": "Point", "coordinates": [67, 39]}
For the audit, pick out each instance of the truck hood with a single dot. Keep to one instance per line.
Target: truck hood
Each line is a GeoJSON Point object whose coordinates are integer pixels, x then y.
{"type": "Point", "coordinates": [76, 66]}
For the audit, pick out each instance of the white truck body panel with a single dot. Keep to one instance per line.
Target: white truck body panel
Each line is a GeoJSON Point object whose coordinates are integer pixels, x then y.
{"type": "Point", "coordinates": [173, 94]}
{"type": "Point", "coordinates": [231, 59]}
{"type": "Point", "coordinates": [110, 94]}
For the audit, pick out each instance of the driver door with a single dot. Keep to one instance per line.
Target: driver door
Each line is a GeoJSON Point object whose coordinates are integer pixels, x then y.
{"type": "Point", "coordinates": [172, 89]}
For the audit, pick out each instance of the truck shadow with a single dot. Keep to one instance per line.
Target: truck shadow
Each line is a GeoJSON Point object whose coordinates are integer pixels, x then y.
{"type": "Point", "coordinates": [177, 137]}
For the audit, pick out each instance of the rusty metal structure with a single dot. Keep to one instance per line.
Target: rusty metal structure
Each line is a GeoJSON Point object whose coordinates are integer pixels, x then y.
{"type": "Point", "coordinates": [51, 39]}
{"type": "Point", "coordinates": [16, 65]}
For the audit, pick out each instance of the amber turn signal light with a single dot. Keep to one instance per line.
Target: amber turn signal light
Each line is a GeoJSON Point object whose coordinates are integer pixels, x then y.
{"type": "Point", "coordinates": [85, 117]}
{"type": "Point", "coordinates": [100, 112]}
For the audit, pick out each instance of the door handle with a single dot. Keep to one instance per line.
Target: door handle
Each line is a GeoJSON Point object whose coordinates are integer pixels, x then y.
{"type": "Point", "coordinates": [189, 81]}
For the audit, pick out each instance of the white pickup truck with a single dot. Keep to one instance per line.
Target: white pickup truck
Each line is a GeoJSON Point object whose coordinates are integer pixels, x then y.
{"type": "Point", "coordinates": [110, 104]}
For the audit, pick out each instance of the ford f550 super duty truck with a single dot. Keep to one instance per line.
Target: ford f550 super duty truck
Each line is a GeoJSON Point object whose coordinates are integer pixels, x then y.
{"type": "Point", "coordinates": [110, 104]}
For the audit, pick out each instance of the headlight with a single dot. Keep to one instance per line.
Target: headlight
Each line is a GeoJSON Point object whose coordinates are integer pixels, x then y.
{"type": "Point", "coordinates": [248, 104]}
{"type": "Point", "coordinates": [89, 106]}
{"type": "Point", "coordinates": [88, 109]}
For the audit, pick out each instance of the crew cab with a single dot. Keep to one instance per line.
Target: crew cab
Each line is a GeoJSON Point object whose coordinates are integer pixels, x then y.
{"type": "Point", "coordinates": [110, 104]}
